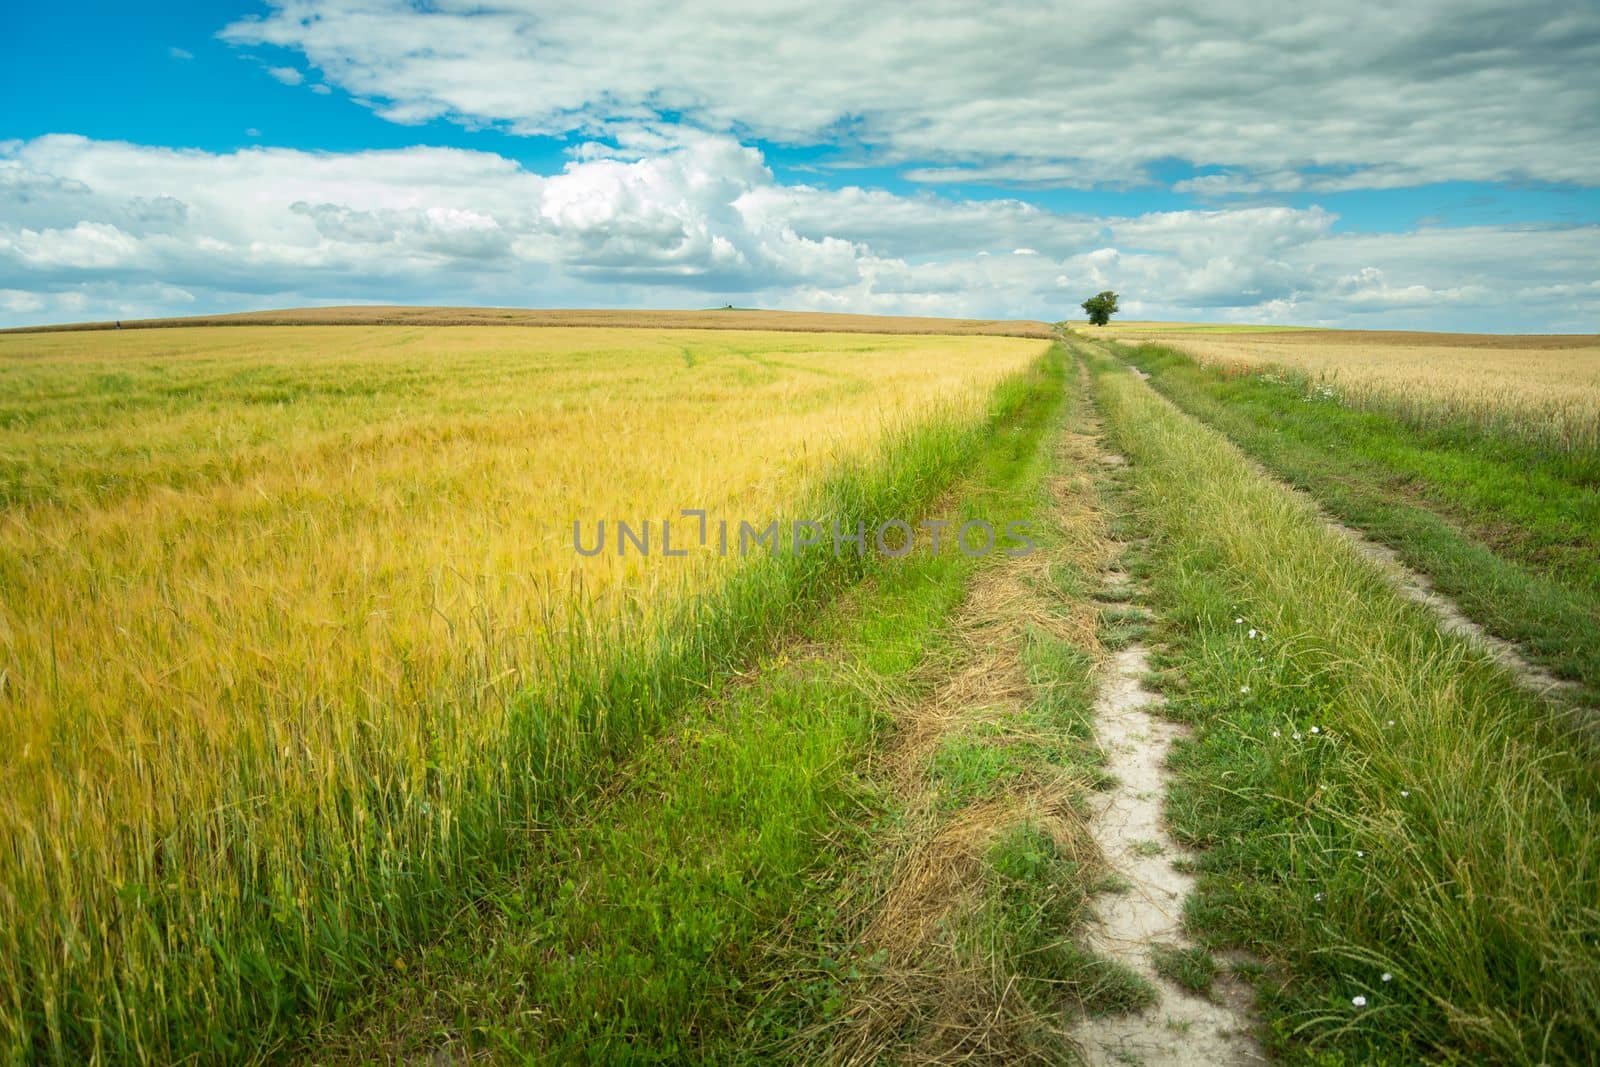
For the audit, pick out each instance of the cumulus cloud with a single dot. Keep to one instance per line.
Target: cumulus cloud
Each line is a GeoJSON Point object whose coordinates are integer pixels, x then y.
{"type": "Point", "coordinates": [667, 218]}
{"type": "Point", "coordinates": [916, 226]}
{"type": "Point", "coordinates": [286, 75]}
{"type": "Point", "coordinates": [1269, 95]}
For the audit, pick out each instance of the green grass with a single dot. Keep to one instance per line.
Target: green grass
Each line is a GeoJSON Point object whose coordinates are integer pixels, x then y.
{"type": "Point", "coordinates": [977, 764]}
{"type": "Point", "coordinates": [991, 758]}
{"type": "Point", "coordinates": [1122, 626]}
{"type": "Point", "coordinates": [1508, 530]}
{"type": "Point", "coordinates": [1190, 966]}
{"type": "Point", "coordinates": [1033, 896]}
{"type": "Point", "coordinates": [1368, 796]}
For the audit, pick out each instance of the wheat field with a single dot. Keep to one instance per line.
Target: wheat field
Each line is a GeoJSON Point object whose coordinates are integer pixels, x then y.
{"type": "Point", "coordinates": [329, 553]}
{"type": "Point", "coordinates": [728, 318]}
{"type": "Point", "coordinates": [1546, 388]}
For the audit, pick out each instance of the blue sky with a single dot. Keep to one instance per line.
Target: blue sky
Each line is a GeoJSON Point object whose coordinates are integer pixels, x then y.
{"type": "Point", "coordinates": [1430, 169]}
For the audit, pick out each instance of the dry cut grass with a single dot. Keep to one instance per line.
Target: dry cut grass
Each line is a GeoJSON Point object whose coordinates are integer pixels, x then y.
{"type": "Point", "coordinates": [1545, 388]}
{"type": "Point", "coordinates": [342, 549]}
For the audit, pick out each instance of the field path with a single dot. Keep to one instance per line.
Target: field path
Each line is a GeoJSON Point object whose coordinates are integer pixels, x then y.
{"type": "Point", "coordinates": [1182, 1027]}
{"type": "Point", "coordinates": [1417, 587]}
{"type": "Point", "coordinates": [1373, 773]}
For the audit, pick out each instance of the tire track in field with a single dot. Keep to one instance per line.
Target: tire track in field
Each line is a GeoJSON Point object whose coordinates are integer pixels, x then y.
{"type": "Point", "coordinates": [1415, 586]}
{"type": "Point", "coordinates": [1418, 588]}
{"type": "Point", "coordinates": [1181, 1027]}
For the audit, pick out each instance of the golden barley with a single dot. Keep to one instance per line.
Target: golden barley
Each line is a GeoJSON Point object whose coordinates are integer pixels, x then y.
{"type": "Point", "coordinates": [334, 554]}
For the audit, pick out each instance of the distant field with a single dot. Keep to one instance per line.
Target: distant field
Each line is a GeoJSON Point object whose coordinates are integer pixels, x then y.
{"type": "Point", "coordinates": [268, 597]}
{"type": "Point", "coordinates": [1542, 387]}
{"type": "Point", "coordinates": [1137, 327]}
{"type": "Point", "coordinates": [721, 319]}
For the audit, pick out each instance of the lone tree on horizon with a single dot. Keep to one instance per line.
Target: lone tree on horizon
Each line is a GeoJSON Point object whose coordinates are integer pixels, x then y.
{"type": "Point", "coordinates": [1101, 307]}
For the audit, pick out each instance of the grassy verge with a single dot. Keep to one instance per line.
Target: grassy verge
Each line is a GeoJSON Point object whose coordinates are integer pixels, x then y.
{"type": "Point", "coordinates": [1383, 816]}
{"type": "Point", "coordinates": [1507, 529]}
{"type": "Point", "coordinates": [719, 904]}
{"type": "Point", "coordinates": [219, 945]}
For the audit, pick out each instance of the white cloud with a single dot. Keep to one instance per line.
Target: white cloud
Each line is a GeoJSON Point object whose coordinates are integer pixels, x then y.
{"type": "Point", "coordinates": [21, 302]}
{"type": "Point", "coordinates": [93, 229]}
{"type": "Point", "coordinates": [916, 226]}
{"type": "Point", "coordinates": [180, 53]}
{"type": "Point", "coordinates": [88, 246]}
{"type": "Point", "coordinates": [1366, 93]}
{"type": "Point", "coordinates": [286, 75]}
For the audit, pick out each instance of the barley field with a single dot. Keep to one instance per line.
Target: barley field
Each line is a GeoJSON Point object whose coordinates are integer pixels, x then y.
{"type": "Point", "coordinates": [709, 319]}
{"type": "Point", "coordinates": [269, 596]}
{"type": "Point", "coordinates": [1545, 388]}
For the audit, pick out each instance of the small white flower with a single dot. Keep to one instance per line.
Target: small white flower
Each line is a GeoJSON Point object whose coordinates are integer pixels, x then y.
{"type": "Point", "coordinates": [1391, 722]}
{"type": "Point", "coordinates": [1297, 735]}
{"type": "Point", "coordinates": [1238, 622]}
{"type": "Point", "coordinates": [1404, 793]}
{"type": "Point", "coordinates": [1316, 729]}
{"type": "Point", "coordinates": [1252, 633]}
{"type": "Point", "coordinates": [1244, 689]}
{"type": "Point", "coordinates": [1360, 855]}
{"type": "Point", "coordinates": [1359, 1002]}
{"type": "Point", "coordinates": [1318, 898]}
{"type": "Point", "coordinates": [1387, 977]}
{"type": "Point", "coordinates": [1275, 733]}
